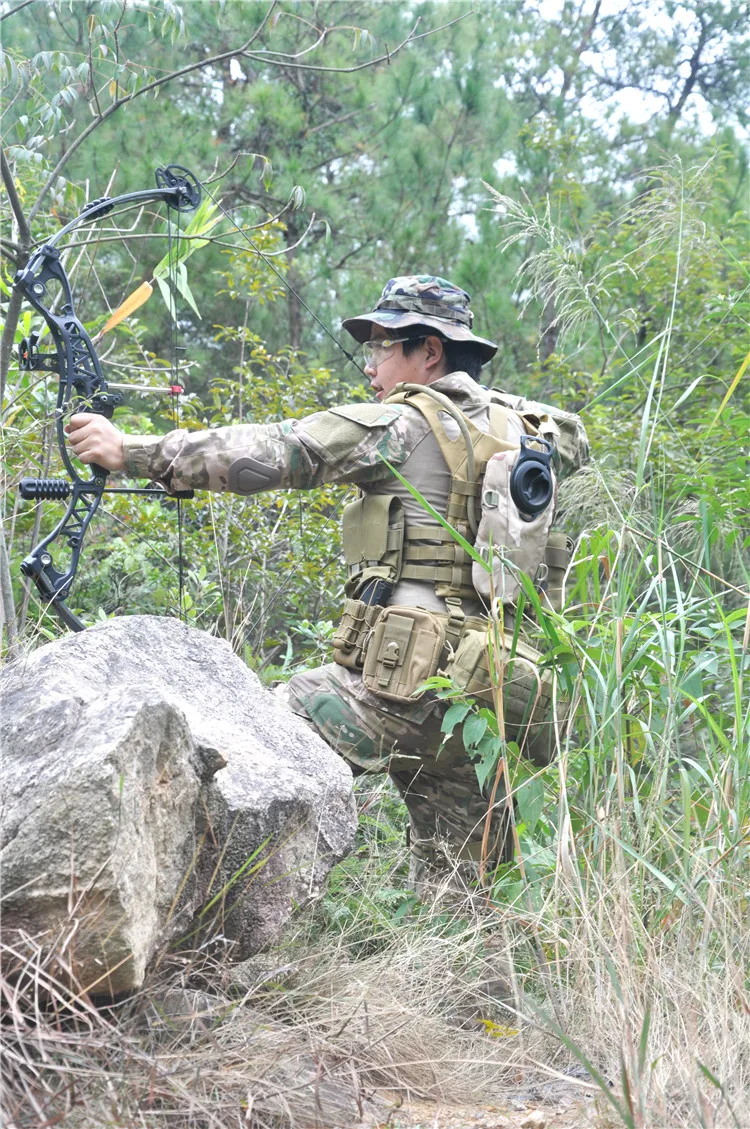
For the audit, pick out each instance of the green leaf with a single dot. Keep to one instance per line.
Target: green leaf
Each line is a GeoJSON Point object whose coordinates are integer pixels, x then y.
{"type": "Point", "coordinates": [474, 730]}
{"type": "Point", "coordinates": [485, 758]}
{"type": "Point", "coordinates": [453, 715]}
{"type": "Point", "coordinates": [167, 295]}
{"type": "Point", "coordinates": [530, 801]}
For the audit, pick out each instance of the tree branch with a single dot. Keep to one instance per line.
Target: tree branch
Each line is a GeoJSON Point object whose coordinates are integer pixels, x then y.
{"type": "Point", "coordinates": [24, 230]}
{"type": "Point", "coordinates": [157, 82]}
{"type": "Point", "coordinates": [263, 57]}
{"type": "Point", "coordinates": [12, 12]}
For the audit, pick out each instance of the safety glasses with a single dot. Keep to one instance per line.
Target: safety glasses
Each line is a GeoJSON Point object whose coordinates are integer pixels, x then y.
{"type": "Point", "coordinates": [375, 352]}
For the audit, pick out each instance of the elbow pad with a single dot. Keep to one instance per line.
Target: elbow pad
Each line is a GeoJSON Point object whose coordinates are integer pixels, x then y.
{"type": "Point", "coordinates": [249, 476]}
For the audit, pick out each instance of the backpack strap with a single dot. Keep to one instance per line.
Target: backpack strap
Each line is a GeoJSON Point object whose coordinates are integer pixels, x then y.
{"type": "Point", "coordinates": [447, 564]}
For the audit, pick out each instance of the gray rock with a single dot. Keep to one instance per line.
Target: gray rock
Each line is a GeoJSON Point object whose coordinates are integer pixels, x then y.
{"type": "Point", "coordinates": [147, 775]}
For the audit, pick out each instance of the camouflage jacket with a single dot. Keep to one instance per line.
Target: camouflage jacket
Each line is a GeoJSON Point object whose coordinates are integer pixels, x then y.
{"type": "Point", "coordinates": [340, 445]}
{"type": "Point", "coordinates": [347, 444]}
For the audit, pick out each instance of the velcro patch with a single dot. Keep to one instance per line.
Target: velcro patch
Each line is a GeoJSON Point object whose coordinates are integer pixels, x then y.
{"type": "Point", "coordinates": [369, 415]}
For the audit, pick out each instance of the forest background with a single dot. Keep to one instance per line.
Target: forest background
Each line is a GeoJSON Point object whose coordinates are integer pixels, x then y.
{"type": "Point", "coordinates": [582, 170]}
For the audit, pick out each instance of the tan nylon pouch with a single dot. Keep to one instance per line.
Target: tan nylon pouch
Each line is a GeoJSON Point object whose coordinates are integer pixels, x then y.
{"type": "Point", "coordinates": [357, 620]}
{"type": "Point", "coordinates": [527, 692]}
{"type": "Point", "coordinates": [403, 651]}
{"type": "Point", "coordinates": [505, 541]}
{"type": "Point", "coordinates": [565, 429]}
{"type": "Point", "coordinates": [468, 667]}
{"type": "Point", "coordinates": [557, 557]}
{"type": "Point", "coordinates": [373, 537]}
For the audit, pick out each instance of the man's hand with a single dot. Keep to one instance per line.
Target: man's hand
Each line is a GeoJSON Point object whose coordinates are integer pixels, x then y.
{"type": "Point", "coordinates": [94, 439]}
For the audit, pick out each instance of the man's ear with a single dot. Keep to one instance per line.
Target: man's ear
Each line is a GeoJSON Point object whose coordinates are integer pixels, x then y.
{"type": "Point", "coordinates": [434, 352]}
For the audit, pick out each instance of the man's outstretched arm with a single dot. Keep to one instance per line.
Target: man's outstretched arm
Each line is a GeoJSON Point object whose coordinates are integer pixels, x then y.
{"type": "Point", "coordinates": [338, 445]}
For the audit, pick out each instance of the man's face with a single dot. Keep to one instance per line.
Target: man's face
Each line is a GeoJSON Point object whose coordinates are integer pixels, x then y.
{"type": "Point", "coordinates": [391, 367]}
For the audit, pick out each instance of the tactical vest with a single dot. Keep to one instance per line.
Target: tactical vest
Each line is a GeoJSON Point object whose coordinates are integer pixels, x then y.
{"type": "Point", "coordinates": [434, 621]}
{"type": "Point", "coordinates": [394, 538]}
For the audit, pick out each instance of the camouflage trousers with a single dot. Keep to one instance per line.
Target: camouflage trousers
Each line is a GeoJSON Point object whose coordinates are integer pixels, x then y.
{"type": "Point", "coordinates": [447, 809]}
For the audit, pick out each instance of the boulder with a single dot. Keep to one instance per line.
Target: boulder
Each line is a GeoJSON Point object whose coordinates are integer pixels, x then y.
{"type": "Point", "coordinates": [151, 784]}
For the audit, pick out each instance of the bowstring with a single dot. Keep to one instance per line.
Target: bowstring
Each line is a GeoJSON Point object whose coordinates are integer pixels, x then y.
{"type": "Point", "coordinates": [173, 265]}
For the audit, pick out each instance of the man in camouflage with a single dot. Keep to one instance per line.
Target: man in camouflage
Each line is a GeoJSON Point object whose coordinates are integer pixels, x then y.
{"type": "Point", "coordinates": [419, 333]}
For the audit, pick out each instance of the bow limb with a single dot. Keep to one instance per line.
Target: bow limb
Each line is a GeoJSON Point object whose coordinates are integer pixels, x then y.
{"type": "Point", "coordinates": [39, 566]}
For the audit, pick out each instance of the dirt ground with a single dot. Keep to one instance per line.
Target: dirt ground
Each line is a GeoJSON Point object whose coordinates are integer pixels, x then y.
{"type": "Point", "coordinates": [562, 1112]}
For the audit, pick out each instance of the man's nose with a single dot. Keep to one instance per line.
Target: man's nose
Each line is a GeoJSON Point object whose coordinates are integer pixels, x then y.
{"type": "Point", "coordinates": [370, 368]}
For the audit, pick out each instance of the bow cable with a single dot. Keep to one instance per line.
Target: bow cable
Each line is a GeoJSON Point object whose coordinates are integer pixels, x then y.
{"type": "Point", "coordinates": [261, 255]}
{"type": "Point", "coordinates": [176, 391]}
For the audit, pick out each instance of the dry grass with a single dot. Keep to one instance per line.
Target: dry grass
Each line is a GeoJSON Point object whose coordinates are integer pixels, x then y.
{"type": "Point", "coordinates": [308, 1036]}
{"type": "Point", "coordinates": [206, 1044]}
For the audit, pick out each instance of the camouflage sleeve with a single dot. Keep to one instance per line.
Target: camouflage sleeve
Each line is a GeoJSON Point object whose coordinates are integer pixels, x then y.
{"type": "Point", "coordinates": [342, 444]}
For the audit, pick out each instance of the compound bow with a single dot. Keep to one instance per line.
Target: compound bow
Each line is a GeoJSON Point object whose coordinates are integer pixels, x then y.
{"type": "Point", "coordinates": [82, 387]}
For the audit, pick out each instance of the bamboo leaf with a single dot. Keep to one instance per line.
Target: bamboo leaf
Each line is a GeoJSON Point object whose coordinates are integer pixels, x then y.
{"type": "Point", "coordinates": [132, 303]}
{"type": "Point", "coordinates": [731, 390]}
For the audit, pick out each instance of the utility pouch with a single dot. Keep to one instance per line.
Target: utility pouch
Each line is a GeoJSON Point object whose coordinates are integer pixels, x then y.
{"type": "Point", "coordinates": [507, 539]}
{"type": "Point", "coordinates": [357, 620]}
{"type": "Point", "coordinates": [468, 666]}
{"type": "Point", "coordinates": [372, 534]}
{"type": "Point", "coordinates": [403, 650]}
{"type": "Point", "coordinates": [551, 574]}
{"type": "Point", "coordinates": [527, 691]}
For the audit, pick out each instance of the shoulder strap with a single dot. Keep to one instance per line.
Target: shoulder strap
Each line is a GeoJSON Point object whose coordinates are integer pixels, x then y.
{"type": "Point", "coordinates": [479, 444]}
{"type": "Point", "coordinates": [467, 458]}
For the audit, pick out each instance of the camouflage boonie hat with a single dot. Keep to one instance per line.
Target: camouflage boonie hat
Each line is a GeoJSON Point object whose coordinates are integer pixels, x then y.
{"type": "Point", "coordinates": [422, 300]}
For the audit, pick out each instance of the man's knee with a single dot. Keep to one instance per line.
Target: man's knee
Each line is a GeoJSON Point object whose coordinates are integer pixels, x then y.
{"type": "Point", "coordinates": [323, 698]}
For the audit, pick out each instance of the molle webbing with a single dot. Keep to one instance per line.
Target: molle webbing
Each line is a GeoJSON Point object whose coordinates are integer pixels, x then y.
{"type": "Point", "coordinates": [439, 564]}
{"type": "Point", "coordinates": [557, 557]}
{"type": "Point", "coordinates": [446, 564]}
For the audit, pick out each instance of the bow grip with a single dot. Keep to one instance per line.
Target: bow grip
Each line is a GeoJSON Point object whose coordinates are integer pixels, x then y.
{"type": "Point", "coordinates": [104, 403]}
